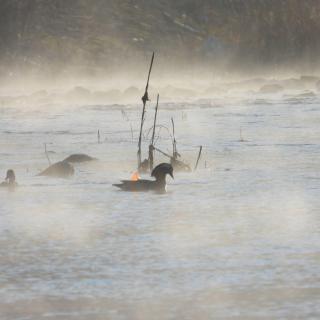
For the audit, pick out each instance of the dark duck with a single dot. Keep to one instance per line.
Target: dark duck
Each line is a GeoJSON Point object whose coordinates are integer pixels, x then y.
{"type": "Point", "coordinates": [60, 169]}
{"type": "Point", "coordinates": [159, 184]}
{"type": "Point", "coordinates": [78, 158]}
{"type": "Point", "coordinates": [10, 180]}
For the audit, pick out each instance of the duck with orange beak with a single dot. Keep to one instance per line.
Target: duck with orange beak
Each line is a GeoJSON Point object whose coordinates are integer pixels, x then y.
{"type": "Point", "coordinates": [159, 185]}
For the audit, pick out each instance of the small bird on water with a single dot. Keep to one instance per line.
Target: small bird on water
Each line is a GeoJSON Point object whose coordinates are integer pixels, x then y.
{"type": "Point", "coordinates": [159, 173]}
{"type": "Point", "coordinates": [10, 180]}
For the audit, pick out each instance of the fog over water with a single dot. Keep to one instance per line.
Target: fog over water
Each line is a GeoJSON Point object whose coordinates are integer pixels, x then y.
{"type": "Point", "coordinates": [238, 238]}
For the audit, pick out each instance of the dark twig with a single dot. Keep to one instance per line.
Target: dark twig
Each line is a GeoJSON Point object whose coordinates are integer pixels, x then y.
{"type": "Point", "coordinates": [151, 146]}
{"type": "Point", "coordinates": [199, 155]}
{"type": "Point", "coordinates": [145, 98]}
{"type": "Point", "coordinates": [155, 121]}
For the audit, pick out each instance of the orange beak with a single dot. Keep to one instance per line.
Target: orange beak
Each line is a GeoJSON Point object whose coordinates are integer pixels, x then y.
{"type": "Point", "coordinates": [135, 176]}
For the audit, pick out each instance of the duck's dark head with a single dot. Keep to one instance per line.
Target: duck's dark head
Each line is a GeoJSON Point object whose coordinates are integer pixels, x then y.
{"type": "Point", "coordinates": [161, 170]}
{"type": "Point", "coordinates": [11, 177]}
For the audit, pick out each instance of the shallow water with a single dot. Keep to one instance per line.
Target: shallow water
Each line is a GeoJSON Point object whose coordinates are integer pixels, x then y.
{"type": "Point", "coordinates": [239, 238]}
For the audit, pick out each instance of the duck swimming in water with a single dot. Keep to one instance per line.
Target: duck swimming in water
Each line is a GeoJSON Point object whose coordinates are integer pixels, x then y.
{"type": "Point", "coordinates": [10, 180]}
{"type": "Point", "coordinates": [60, 169]}
{"type": "Point", "coordinates": [77, 158]}
{"type": "Point", "coordinates": [159, 185]}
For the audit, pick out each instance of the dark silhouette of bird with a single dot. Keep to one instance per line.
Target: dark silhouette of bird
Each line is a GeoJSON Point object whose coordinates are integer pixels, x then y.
{"type": "Point", "coordinates": [60, 169]}
{"type": "Point", "coordinates": [159, 184]}
{"type": "Point", "coordinates": [77, 158]}
{"type": "Point", "coordinates": [10, 180]}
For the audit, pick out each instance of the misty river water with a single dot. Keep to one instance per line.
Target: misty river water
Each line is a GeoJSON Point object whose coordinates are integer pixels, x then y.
{"type": "Point", "coordinates": [238, 238]}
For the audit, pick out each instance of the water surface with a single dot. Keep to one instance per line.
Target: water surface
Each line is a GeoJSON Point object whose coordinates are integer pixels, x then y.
{"type": "Point", "coordinates": [238, 238]}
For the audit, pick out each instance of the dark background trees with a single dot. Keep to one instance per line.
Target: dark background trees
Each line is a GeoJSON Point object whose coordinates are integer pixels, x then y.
{"type": "Point", "coordinates": [81, 34]}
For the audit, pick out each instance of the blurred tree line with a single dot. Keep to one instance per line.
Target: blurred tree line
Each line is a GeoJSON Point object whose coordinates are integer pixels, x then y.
{"type": "Point", "coordinates": [90, 34]}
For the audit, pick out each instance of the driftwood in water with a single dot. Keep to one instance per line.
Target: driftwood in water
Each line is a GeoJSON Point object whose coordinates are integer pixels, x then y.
{"type": "Point", "coordinates": [151, 146]}
{"type": "Point", "coordinates": [77, 158]}
{"type": "Point", "coordinates": [199, 155]}
{"type": "Point", "coordinates": [144, 99]}
{"type": "Point", "coordinates": [60, 169]}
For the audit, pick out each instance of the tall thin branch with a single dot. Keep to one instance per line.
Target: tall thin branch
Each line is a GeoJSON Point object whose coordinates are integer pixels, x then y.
{"type": "Point", "coordinates": [144, 99]}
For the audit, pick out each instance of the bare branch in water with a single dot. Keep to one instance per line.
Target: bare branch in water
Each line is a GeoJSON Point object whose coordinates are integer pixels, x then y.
{"type": "Point", "coordinates": [199, 155]}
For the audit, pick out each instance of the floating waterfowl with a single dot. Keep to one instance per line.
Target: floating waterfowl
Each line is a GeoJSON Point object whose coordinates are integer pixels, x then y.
{"type": "Point", "coordinates": [77, 158]}
{"type": "Point", "coordinates": [159, 185]}
{"type": "Point", "coordinates": [10, 180]}
{"type": "Point", "coordinates": [60, 169]}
